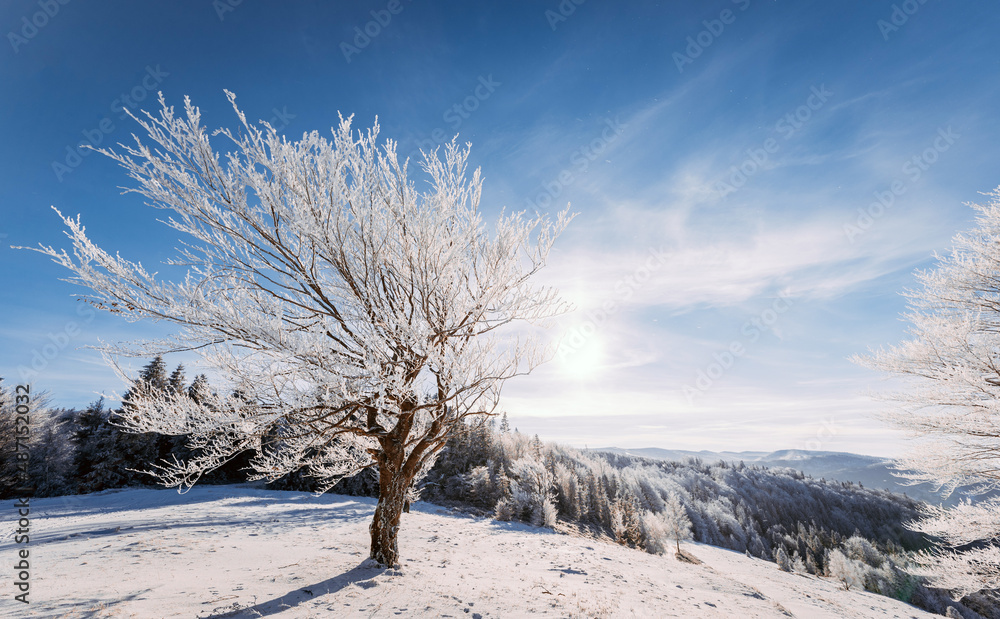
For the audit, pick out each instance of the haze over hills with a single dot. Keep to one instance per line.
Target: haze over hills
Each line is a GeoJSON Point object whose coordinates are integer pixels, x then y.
{"type": "Point", "coordinates": [869, 471]}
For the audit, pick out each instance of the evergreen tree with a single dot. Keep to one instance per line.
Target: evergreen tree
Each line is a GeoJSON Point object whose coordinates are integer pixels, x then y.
{"type": "Point", "coordinates": [782, 559]}
{"type": "Point", "coordinates": [96, 460]}
{"type": "Point", "coordinates": [152, 379]}
{"type": "Point", "coordinates": [8, 466]}
{"type": "Point", "coordinates": [200, 391]}
{"type": "Point", "coordinates": [138, 451]}
{"type": "Point", "coordinates": [176, 380]}
{"type": "Point", "coordinates": [50, 466]}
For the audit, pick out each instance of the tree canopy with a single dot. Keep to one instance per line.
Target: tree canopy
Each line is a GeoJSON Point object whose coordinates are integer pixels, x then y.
{"type": "Point", "coordinates": [360, 317]}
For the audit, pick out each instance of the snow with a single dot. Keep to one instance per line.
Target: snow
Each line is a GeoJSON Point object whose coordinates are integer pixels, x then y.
{"type": "Point", "coordinates": [237, 551]}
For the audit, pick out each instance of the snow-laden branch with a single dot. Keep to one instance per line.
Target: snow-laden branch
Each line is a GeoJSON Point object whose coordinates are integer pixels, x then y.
{"type": "Point", "coordinates": [360, 317]}
{"type": "Point", "coordinates": [951, 400]}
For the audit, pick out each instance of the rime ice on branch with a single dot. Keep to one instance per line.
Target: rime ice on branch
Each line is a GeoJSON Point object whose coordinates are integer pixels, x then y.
{"type": "Point", "coordinates": [951, 402]}
{"type": "Point", "coordinates": [360, 318]}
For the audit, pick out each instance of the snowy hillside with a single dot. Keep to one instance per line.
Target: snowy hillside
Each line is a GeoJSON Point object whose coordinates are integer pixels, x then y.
{"type": "Point", "coordinates": [227, 551]}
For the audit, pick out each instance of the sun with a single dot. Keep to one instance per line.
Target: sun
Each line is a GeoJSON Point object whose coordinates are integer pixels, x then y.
{"type": "Point", "coordinates": [581, 362]}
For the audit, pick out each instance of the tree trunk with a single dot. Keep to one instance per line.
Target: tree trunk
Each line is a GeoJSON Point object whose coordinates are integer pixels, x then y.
{"type": "Point", "coordinates": [392, 486]}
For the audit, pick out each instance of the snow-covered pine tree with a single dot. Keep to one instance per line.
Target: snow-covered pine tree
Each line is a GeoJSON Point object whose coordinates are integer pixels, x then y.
{"type": "Point", "coordinates": [152, 377]}
{"type": "Point", "coordinates": [51, 451]}
{"type": "Point", "coordinates": [199, 390]}
{"type": "Point", "coordinates": [96, 462]}
{"type": "Point", "coordinates": [176, 380]}
{"type": "Point", "coordinates": [8, 465]}
{"type": "Point", "coordinates": [362, 317]}
{"type": "Point", "coordinates": [136, 450]}
{"type": "Point", "coordinates": [582, 507]}
{"type": "Point", "coordinates": [626, 521]}
{"type": "Point", "coordinates": [42, 442]}
{"type": "Point", "coordinates": [782, 559]}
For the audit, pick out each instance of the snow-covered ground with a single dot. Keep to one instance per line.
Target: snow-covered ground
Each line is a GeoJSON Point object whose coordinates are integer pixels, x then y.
{"type": "Point", "coordinates": [225, 551]}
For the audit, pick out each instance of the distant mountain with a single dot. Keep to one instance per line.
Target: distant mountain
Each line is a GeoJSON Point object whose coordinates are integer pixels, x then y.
{"type": "Point", "coordinates": [869, 471]}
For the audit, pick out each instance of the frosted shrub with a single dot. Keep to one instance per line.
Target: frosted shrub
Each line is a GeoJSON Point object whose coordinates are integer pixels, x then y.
{"type": "Point", "coordinates": [478, 481]}
{"type": "Point", "coordinates": [655, 536]}
{"type": "Point", "coordinates": [544, 514]}
{"type": "Point", "coordinates": [849, 572]}
{"type": "Point", "coordinates": [860, 549]}
{"type": "Point", "coordinates": [504, 510]}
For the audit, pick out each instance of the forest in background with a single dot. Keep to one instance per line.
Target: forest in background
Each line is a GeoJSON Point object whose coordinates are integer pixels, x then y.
{"type": "Point", "coordinates": [813, 527]}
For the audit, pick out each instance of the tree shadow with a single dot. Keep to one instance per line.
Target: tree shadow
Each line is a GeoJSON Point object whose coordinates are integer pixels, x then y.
{"type": "Point", "coordinates": [366, 570]}
{"type": "Point", "coordinates": [289, 508]}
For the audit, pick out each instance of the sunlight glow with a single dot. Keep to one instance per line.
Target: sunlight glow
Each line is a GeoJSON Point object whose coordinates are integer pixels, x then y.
{"type": "Point", "coordinates": [584, 362]}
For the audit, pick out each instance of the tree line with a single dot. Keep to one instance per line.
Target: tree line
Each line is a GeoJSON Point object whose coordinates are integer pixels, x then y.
{"type": "Point", "coordinates": [82, 451]}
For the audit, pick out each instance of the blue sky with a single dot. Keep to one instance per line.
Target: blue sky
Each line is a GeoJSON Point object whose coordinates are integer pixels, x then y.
{"type": "Point", "coordinates": [717, 153]}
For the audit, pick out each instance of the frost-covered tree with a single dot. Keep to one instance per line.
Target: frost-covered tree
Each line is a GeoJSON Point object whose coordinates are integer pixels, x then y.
{"type": "Point", "coordinates": [34, 454]}
{"type": "Point", "coordinates": [361, 317]}
{"type": "Point", "coordinates": [97, 463]}
{"type": "Point", "coordinates": [14, 439]}
{"type": "Point", "coordinates": [199, 390]}
{"type": "Point", "coordinates": [782, 559]}
{"type": "Point", "coordinates": [51, 451]}
{"type": "Point", "coordinates": [135, 450]}
{"type": "Point", "coordinates": [527, 494]}
{"type": "Point", "coordinates": [9, 477]}
{"type": "Point", "coordinates": [975, 529]}
{"type": "Point", "coordinates": [951, 399]}
{"type": "Point", "coordinates": [849, 572]}
{"type": "Point", "coordinates": [176, 380]}
{"type": "Point", "coordinates": [675, 520]}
